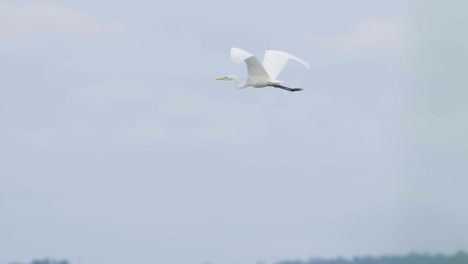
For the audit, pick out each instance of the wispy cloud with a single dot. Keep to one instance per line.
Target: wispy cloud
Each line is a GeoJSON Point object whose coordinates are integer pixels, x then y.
{"type": "Point", "coordinates": [367, 34]}
{"type": "Point", "coordinates": [36, 18]}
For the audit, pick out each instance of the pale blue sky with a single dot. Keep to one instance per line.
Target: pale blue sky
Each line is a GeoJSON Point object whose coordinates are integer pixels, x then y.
{"type": "Point", "coordinates": [118, 146]}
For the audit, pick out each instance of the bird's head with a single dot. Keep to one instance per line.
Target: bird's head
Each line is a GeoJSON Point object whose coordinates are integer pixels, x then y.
{"type": "Point", "coordinates": [227, 78]}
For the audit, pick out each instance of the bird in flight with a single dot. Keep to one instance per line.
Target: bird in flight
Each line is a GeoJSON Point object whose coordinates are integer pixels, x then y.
{"type": "Point", "coordinates": [264, 74]}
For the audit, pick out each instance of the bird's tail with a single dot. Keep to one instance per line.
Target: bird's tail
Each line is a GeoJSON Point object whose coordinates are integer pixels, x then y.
{"type": "Point", "coordinates": [276, 82]}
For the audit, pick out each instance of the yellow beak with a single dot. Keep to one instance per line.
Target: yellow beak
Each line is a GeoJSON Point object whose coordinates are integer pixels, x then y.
{"type": "Point", "coordinates": [220, 79]}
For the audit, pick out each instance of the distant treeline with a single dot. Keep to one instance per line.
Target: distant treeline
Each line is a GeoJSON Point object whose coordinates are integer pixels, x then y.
{"type": "Point", "coordinates": [45, 261]}
{"type": "Point", "coordinates": [414, 258]}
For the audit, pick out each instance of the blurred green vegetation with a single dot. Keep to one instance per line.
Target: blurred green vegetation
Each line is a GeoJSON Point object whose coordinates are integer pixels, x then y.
{"type": "Point", "coordinates": [460, 257]}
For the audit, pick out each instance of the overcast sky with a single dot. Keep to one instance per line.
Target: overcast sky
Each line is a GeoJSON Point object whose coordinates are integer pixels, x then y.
{"type": "Point", "coordinates": [118, 145]}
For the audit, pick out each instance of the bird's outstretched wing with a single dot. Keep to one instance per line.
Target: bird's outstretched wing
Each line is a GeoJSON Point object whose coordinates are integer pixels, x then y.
{"type": "Point", "coordinates": [275, 60]}
{"type": "Point", "coordinates": [254, 67]}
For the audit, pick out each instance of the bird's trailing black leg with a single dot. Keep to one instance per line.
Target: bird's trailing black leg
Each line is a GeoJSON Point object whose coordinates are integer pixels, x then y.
{"type": "Point", "coordinates": [286, 88]}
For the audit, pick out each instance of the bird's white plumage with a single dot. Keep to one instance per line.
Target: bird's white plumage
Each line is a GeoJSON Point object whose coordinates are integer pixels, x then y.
{"type": "Point", "coordinates": [275, 60]}
{"type": "Point", "coordinates": [255, 69]}
{"type": "Point", "coordinates": [239, 55]}
{"type": "Point", "coordinates": [262, 74]}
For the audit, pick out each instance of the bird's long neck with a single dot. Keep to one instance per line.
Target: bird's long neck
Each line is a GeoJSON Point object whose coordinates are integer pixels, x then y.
{"type": "Point", "coordinates": [238, 84]}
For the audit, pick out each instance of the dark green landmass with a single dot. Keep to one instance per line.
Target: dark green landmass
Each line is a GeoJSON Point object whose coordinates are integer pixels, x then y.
{"type": "Point", "coordinates": [414, 258]}
{"type": "Point", "coordinates": [460, 257]}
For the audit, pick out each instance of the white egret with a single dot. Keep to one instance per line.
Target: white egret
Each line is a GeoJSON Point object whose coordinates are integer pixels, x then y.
{"type": "Point", "coordinates": [262, 74]}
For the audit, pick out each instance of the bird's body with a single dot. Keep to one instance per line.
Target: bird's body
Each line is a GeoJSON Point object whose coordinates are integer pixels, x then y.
{"type": "Point", "coordinates": [264, 74]}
